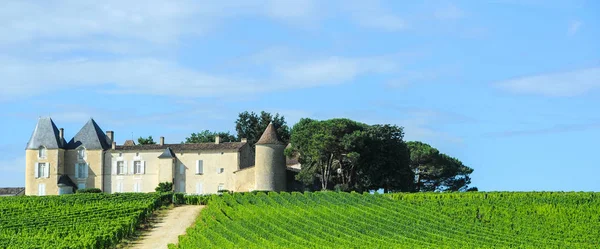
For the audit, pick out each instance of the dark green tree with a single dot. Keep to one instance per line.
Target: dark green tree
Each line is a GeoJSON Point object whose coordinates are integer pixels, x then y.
{"type": "Point", "coordinates": [325, 150]}
{"type": "Point", "coordinates": [207, 136]}
{"type": "Point", "coordinates": [435, 171]}
{"type": "Point", "coordinates": [147, 140]}
{"type": "Point", "coordinates": [384, 161]}
{"type": "Point", "coordinates": [250, 125]}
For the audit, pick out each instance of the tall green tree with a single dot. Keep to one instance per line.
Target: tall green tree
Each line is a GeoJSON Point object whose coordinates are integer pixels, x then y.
{"type": "Point", "coordinates": [147, 140]}
{"type": "Point", "coordinates": [251, 126]}
{"type": "Point", "coordinates": [435, 171]}
{"type": "Point", "coordinates": [384, 161]}
{"type": "Point", "coordinates": [325, 150]}
{"type": "Point", "coordinates": [207, 136]}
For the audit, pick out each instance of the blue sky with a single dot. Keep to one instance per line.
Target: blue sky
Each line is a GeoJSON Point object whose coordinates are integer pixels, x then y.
{"type": "Point", "coordinates": [512, 88]}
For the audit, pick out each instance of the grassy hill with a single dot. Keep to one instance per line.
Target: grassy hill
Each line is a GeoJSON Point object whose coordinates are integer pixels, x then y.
{"type": "Point", "coordinates": [431, 220]}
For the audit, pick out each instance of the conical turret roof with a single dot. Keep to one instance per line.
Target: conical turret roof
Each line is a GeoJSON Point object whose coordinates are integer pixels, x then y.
{"type": "Point", "coordinates": [269, 136]}
{"type": "Point", "coordinates": [45, 134]}
{"type": "Point", "coordinates": [91, 137]}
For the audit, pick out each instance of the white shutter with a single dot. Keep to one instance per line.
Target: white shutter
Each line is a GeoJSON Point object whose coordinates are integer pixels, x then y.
{"type": "Point", "coordinates": [114, 167]}
{"type": "Point", "coordinates": [47, 171]}
{"type": "Point", "coordinates": [35, 166]}
{"type": "Point", "coordinates": [199, 188]}
{"type": "Point", "coordinates": [199, 167]}
{"type": "Point", "coordinates": [143, 167]}
{"type": "Point", "coordinates": [42, 189]}
{"type": "Point", "coordinates": [76, 170]}
{"type": "Point", "coordinates": [124, 167]}
{"type": "Point", "coordinates": [131, 169]}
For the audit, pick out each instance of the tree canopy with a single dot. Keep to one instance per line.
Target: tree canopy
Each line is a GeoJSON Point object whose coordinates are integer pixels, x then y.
{"type": "Point", "coordinates": [207, 136]}
{"type": "Point", "coordinates": [251, 126]}
{"type": "Point", "coordinates": [147, 140]}
{"type": "Point", "coordinates": [435, 171]}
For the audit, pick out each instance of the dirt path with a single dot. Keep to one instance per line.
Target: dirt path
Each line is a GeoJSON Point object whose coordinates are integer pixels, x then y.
{"type": "Point", "coordinates": [168, 228]}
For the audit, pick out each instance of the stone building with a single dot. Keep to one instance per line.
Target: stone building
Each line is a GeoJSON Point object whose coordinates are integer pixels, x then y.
{"type": "Point", "coordinates": [92, 159]}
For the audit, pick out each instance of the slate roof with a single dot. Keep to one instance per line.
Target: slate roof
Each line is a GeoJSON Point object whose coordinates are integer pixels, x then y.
{"type": "Point", "coordinates": [66, 180]}
{"type": "Point", "coordinates": [269, 136]}
{"type": "Point", "coordinates": [45, 134]}
{"type": "Point", "coordinates": [12, 191]}
{"type": "Point", "coordinates": [230, 146]}
{"type": "Point", "coordinates": [168, 153]}
{"type": "Point", "coordinates": [129, 143]}
{"type": "Point", "coordinates": [91, 137]}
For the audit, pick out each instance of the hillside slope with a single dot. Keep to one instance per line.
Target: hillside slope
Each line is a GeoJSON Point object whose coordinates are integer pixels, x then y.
{"type": "Point", "coordinates": [344, 220]}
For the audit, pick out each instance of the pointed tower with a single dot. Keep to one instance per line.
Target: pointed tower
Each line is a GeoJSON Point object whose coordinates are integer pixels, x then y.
{"type": "Point", "coordinates": [44, 158]}
{"type": "Point", "coordinates": [270, 170]}
{"type": "Point", "coordinates": [85, 156]}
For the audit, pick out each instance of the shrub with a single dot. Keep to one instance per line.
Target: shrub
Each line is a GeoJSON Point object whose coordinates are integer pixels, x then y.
{"type": "Point", "coordinates": [89, 190]}
{"type": "Point", "coordinates": [164, 187]}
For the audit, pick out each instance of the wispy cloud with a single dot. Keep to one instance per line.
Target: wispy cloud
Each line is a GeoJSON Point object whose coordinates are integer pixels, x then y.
{"type": "Point", "coordinates": [563, 84]}
{"type": "Point", "coordinates": [373, 15]}
{"type": "Point", "coordinates": [449, 12]}
{"type": "Point", "coordinates": [574, 27]}
{"type": "Point", "coordinates": [562, 128]}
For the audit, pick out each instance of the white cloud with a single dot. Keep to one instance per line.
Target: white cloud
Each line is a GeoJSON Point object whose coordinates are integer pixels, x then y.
{"type": "Point", "coordinates": [372, 14]}
{"type": "Point", "coordinates": [564, 84]}
{"type": "Point", "coordinates": [574, 27]}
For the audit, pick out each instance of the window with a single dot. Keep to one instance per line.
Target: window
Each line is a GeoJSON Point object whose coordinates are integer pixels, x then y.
{"type": "Point", "coordinates": [199, 188]}
{"type": "Point", "coordinates": [137, 154]}
{"type": "Point", "coordinates": [42, 170]}
{"type": "Point", "coordinates": [220, 170]}
{"type": "Point", "coordinates": [81, 186]}
{"type": "Point", "coordinates": [119, 187]}
{"type": "Point", "coordinates": [137, 187]}
{"type": "Point", "coordinates": [81, 153]}
{"type": "Point", "coordinates": [199, 167]}
{"type": "Point", "coordinates": [81, 170]}
{"type": "Point", "coordinates": [42, 152]}
{"type": "Point", "coordinates": [120, 154]}
{"type": "Point", "coordinates": [181, 168]}
{"type": "Point", "coordinates": [137, 167]}
{"type": "Point", "coordinates": [42, 189]}
{"type": "Point", "coordinates": [221, 187]}
{"type": "Point", "coordinates": [120, 168]}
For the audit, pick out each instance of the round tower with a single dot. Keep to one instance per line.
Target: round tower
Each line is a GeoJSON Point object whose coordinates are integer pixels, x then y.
{"type": "Point", "coordinates": [270, 169]}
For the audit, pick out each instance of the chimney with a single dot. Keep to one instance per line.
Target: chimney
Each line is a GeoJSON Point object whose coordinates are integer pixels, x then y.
{"type": "Point", "coordinates": [110, 135]}
{"type": "Point", "coordinates": [162, 141]}
{"type": "Point", "coordinates": [217, 139]}
{"type": "Point", "coordinates": [114, 145]}
{"type": "Point", "coordinates": [61, 134]}
{"type": "Point", "coordinates": [244, 140]}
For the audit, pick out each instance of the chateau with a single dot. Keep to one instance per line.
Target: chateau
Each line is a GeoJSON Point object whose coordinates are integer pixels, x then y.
{"type": "Point", "coordinates": [92, 159]}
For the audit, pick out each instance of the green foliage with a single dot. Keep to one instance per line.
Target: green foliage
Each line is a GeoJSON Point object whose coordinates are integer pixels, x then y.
{"type": "Point", "coordinates": [89, 191]}
{"type": "Point", "coordinates": [164, 187]}
{"type": "Point", "coordinates": [74, 221]}
{"type": "Point", "coordinates": [207, 136]}
{"type": "Point", "coordinates": [421, 220]}
{"type": "Point", "coordinates": [147, 140]}
{"type": "Point", "coordinates": [251, 126]}
{"type": "Point", "coordinates": [436, 171]}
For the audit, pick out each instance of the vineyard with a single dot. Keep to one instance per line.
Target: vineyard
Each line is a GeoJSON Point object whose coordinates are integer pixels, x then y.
{"type": "Point", "coordinates": [430, 220]}
{"type": "Point", "coordinates": [73, 221]}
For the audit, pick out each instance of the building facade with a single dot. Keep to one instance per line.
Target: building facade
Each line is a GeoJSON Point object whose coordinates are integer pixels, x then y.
{"type": "Point", "coordinates": [92, 159]}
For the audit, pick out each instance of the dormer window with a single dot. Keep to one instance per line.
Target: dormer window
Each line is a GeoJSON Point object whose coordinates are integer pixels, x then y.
{"type": "Point", "coordinates": [42, 152]}
{"type": "Point", "coordinates": [81, 153]}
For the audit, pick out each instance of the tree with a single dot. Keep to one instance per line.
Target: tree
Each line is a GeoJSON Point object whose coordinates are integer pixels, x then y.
{"type": "Point", "coordinates": [207, 136]}
{"type": "Point", "coordinates": [148, 140]}
{"type": "Point", "coordinates": [436, 171]}
{"type": "Point", "coordinates": [384, 161]}
{"type": "Point", "coordinates": [323, 148]}
{"type": "Point", "coordinates": [164, 187]}
{"type": "Point", "coordinates": [251, 126]}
